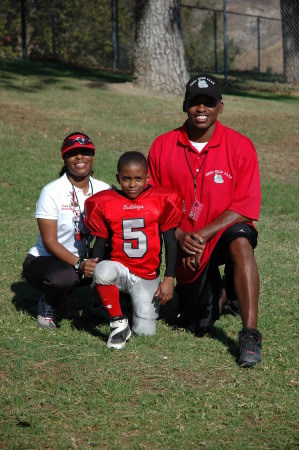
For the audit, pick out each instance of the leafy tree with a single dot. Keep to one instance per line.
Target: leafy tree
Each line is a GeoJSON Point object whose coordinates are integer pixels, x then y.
{"type": "Point", "coordinates": [82, 34]}
{"type": "Point", "coordinates": [10, 28]}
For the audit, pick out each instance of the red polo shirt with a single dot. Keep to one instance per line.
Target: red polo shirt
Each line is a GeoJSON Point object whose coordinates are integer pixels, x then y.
{"type": "Point", "coordinates": [227, 177]}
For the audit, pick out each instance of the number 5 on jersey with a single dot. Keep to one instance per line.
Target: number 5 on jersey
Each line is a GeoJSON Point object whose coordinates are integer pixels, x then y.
{"type": "Point", "coordinates": [131, 234]}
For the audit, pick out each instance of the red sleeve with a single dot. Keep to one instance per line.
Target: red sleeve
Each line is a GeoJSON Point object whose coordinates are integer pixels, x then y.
{"type": "Point", "coordinates": [247, 196]}
{"type": "Point", "coordinates": [172, 211]}
{"type": "Point", "coordinates": [153, 161]}
{"type": "Point", "coordinates": [94, 217]}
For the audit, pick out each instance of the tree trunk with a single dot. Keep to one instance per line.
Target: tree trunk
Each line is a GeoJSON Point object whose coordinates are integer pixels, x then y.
{"type": "Point", "coordinates": [159, 62]}
{"type": "Point", "coordinates": [290, 40]}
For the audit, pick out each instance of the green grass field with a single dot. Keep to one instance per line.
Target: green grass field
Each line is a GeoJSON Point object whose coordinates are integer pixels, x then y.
{"type": "Point", "coordinates": [64, 389]}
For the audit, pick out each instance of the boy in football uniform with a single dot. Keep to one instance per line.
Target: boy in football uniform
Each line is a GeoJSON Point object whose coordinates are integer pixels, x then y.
{"type": "Point", "coordinates": [133, 219]}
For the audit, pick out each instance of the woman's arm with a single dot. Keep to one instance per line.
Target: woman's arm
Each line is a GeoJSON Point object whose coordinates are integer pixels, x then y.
{"type": "Point", "coordinates": [48, 231]}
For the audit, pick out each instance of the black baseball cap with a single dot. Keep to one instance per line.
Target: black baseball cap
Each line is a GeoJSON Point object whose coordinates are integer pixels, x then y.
{"type": "Point", "coordinates": [202, 84]}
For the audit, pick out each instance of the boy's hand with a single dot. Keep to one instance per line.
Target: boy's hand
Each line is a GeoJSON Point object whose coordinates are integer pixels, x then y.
{"type": "Point", "coordinates": [87, 267]}
{"type": "Point", "coordinates": [165, 290]}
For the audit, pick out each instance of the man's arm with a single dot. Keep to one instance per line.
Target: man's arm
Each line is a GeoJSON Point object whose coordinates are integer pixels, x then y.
{"type": "Point", "coordinates": [193, 243]}
{"type": "Point", "coordinates": [227, 218]}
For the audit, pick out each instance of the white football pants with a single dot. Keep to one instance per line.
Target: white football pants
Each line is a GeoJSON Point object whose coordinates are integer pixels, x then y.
{"type": "Point", "coordinates": [145, 306]}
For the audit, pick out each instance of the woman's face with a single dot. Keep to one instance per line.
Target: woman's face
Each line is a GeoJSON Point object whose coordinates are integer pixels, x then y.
{"type": "Point", "coordinates": [79, 162]}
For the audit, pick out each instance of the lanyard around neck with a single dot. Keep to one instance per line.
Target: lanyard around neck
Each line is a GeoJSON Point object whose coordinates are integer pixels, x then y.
{"type": "Point", "coordinates": [191, 171]}
{"type": "Point", "coordinates": [82, 215]}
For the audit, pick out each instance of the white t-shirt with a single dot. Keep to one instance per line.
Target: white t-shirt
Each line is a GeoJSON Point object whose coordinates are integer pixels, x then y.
{"type": "Point", "coordinates": [56, 203]}
{"type": "Point", "coordinates": [198, 145]}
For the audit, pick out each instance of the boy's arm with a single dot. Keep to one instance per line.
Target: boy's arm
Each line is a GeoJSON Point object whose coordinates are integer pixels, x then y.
{"type": "Point", "coordinates": [99, 248]}
{"type": "Point", "coordinates": [166, 287]}
{"type": "Point", "coordinates": [171, 251]}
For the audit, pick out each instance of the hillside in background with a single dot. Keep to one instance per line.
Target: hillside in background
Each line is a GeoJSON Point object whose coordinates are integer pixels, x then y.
{"type": "Point", "coordinates": [267, 8]}
{"type": "Point", "coordinates": [246, 20]}
{"type": "Point", "coordinates": [243, 31]}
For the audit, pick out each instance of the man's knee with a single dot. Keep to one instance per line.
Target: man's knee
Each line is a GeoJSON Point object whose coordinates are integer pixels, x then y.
{"type": "Point", "coordinates": [240, 248]}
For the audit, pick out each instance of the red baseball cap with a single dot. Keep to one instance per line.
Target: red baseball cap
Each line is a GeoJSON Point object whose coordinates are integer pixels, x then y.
{"type": "Point", "coordinates": [76, 140]}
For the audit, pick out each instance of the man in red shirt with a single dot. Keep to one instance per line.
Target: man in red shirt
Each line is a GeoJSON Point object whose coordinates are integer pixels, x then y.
{"type": "Point", "coordinates": [216, 170]}
{"type": "Point", "coordinates": [134, 218]}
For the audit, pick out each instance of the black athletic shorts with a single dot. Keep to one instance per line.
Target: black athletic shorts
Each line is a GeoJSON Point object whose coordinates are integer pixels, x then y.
{"type": "Point", "coordinates": [199, 300]}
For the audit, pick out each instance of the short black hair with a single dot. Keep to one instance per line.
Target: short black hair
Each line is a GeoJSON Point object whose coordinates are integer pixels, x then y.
{"type": "Point", "coordinates": [132, 157]}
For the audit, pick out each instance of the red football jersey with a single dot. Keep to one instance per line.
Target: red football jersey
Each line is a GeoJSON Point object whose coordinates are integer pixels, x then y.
{"type": "Point", "coordinates": [135, 225]}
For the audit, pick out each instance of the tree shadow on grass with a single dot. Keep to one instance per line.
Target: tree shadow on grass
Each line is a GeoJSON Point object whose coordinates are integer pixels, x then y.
{"type": "Point", "coordinates": [49, 73]}
{"type": "Point", "coordinates": [169, 313]}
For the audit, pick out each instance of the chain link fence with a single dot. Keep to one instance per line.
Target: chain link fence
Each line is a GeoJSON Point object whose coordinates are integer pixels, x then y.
{"type": "Point", "coordinates": [250, 37]}
{"type": "Point", "coordinates": [254, 44]}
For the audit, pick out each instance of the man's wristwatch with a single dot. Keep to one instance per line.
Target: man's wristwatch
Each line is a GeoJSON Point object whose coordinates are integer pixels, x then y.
{"type": "Point", "coordinates": [78, 264]}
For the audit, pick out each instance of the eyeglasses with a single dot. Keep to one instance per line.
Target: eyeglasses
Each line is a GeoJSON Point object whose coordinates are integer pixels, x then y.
{"type": "Point", "coordinates": [80, 140]}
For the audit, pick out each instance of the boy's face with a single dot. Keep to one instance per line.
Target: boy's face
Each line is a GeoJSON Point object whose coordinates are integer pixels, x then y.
{"type": "Point", "coordinates": [133, 179]}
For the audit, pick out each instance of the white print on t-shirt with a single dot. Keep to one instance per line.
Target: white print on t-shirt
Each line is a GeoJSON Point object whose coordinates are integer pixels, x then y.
{"type": "Point", "coordinates": [66, 207]}
{"type": "Point", "coordinates": [219, 175]}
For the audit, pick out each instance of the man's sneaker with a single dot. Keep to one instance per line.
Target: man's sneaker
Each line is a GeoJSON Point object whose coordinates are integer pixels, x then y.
{"type": "Point", "coordinates": [45, 315]}
{"type": "Point", "coordinates": [120, 333]}
{"type": "Point", "coordinates": [250, 342]}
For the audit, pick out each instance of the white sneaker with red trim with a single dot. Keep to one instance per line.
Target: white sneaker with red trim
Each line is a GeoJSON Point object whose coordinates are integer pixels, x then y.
{"type": "Point", "coordinates": [45, 315]}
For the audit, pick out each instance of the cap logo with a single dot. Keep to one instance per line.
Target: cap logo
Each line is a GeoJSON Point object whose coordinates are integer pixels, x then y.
{"type": "Point", "coordinates": [202, 83]}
